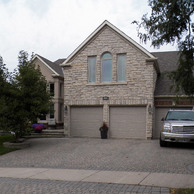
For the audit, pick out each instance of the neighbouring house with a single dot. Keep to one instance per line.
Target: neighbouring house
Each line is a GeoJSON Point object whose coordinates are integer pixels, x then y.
{"type": "Point", "coordinates": [55, 78]}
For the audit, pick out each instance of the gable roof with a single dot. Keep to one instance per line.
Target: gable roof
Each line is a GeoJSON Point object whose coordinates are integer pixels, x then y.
{"type": "Point", "coordinates": [106, 23]}
{"type": "Point", "coordinates": [59, 61]}
{"type": "Point", "coordinates": [168, 61]}
{"type": "Point", "coordinates": [54, 67]}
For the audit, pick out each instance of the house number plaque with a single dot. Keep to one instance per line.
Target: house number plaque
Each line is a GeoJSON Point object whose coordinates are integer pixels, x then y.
{"type": "Point", "coordinates": [105, 98]}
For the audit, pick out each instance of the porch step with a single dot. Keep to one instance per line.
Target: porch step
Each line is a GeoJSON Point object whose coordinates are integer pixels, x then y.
{"type": "Point", "coordinates": [46, 133]}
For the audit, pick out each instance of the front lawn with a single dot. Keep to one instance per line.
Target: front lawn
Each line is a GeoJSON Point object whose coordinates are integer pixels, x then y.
{"type": "Point", "coordinates": [5, 138]}
{"type": "Point", "coordinates": [182, 191]}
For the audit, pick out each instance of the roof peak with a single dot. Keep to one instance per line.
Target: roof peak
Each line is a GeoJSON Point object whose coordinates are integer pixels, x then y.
{"type": "Point", "coordinates": [106, 22]}
{"type": "Point", "coordinates": [54, 67]}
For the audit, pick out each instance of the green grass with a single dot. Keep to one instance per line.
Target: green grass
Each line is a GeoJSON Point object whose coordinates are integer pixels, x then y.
{"type": "Point", "coordinates": [182, 191]}
{"type": "Point", "coordinates": [5, 138]}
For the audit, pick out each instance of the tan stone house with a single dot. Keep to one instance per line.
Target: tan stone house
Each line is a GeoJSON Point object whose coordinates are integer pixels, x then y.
{"type": "Point", "coordinates": [111, 78]}
{"type": "Point", "coordinates": [55, 78]}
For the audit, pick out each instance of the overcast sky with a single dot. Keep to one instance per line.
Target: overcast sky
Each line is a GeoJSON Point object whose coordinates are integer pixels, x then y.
{"type": "Point", "coordinates": [55, 28]}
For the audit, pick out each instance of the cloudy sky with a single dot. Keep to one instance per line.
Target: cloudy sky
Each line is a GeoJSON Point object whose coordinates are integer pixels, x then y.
{"type": "Point", "coordinates": [54, 28]}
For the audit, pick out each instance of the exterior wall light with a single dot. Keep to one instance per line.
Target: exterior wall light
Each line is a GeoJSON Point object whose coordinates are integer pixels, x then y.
{"type": "Point", "coordinates": [65, 109]}
{"type": "Point", "coordinates": [150, 109]}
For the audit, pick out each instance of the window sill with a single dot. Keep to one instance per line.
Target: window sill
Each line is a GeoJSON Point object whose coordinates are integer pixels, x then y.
{"type": "Point", "coordinates": [107, 84]}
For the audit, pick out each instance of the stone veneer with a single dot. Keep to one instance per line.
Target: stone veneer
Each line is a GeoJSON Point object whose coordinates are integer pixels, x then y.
{"type": "Point", "coordinates": [138, 90]}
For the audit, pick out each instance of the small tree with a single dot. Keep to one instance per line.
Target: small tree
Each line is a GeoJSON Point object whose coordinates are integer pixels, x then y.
{"type": "Point", "coordinates": [27, 98]}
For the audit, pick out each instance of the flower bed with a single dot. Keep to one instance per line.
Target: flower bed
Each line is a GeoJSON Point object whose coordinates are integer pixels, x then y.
{"type": "Point", "coordinates": [38, 127]}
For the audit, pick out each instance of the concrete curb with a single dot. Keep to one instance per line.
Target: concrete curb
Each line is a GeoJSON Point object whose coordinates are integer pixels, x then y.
{"type": "Point", "coordinates": [114, 177]}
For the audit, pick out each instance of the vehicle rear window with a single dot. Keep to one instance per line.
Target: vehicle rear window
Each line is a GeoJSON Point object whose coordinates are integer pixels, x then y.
{"type": "Point", "coordinates": [180, 115]}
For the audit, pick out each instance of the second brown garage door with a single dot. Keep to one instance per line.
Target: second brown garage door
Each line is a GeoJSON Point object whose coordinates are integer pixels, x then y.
{"type": "Point", "coordinates": [128, 122]}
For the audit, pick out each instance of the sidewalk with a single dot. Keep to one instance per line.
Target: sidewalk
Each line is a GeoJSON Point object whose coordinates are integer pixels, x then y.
{"type": "Point", "coordinates": [114, 177]}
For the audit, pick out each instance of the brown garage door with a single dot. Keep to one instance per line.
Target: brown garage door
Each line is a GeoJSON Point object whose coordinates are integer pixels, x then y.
{"type": "Point", "coordinates": [160, 113]}
{"type": "Point", "coordinates": [128, 122]}
{"type": "Point", "coordinates": [85, 121]}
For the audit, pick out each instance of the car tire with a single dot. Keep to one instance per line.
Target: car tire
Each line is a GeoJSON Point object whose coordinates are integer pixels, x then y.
{"type": "Point", "coordinates": [162, 143]}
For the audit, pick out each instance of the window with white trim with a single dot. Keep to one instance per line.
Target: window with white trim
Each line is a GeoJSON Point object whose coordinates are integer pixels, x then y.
{"type": "Point", "coordinates": [52, 111]}
{"type": "Point", "coordinates": [106, 71]}
{"type": "Point", "coordinates": [52, 89]}
{"type": "Point", "coordinates": [60, 89]}
{"type": "Point", "coordinates": [121, 67]}
{"type": "Point", "coordinates": [92, 69]}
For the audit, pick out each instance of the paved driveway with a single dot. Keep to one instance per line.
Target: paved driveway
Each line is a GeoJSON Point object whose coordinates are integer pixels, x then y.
{"type": "Point", "coordinates": [97, 154]}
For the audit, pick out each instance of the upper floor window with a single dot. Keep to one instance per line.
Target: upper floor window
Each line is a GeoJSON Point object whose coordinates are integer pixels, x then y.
{"type": "Point", "coordinates": [52, 111]}
{"type": "Point", "coordinates": [61, 90]}
{"type": "Point", "coordinates": [92, 69]}
{"type": "Point", "coordinates": [106, 67]}
{"type": "Point", "coordinates": [52, 89]}
{"type": "Point", "coordinates": [121, 67]}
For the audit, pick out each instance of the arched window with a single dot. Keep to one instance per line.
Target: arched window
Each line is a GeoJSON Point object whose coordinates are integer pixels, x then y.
{"type": "Point", "coordinates": [106, 67]}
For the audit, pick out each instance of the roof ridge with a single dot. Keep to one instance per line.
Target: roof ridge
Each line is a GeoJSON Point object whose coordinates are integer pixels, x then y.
{"type": "Point", "coordinates": [44, 58]}
{"type": "Point", "coordinates": [163, 51]}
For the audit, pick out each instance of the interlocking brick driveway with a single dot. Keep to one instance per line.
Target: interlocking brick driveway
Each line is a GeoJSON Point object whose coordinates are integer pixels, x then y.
{"type": "Point", "coordinates": [110, 154]}
{"type": "Point", "coordinates": [26, 186]}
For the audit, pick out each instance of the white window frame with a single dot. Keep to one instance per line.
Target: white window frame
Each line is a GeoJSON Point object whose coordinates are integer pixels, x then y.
{"type": "Point", "coordinates": [90, 78]}
{"type": "Point", "coordinates": [121, 71]}
{"type": "Point", "coordinates": [103, 78]}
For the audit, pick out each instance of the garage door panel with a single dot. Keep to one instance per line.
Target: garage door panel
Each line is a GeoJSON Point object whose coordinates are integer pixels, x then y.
{"type": "Point", "coordinates": [128, 122]}
{"type": "Point", "coordinates": [85, 121]}
{"type": "Point", "coordinates": [130, 134]}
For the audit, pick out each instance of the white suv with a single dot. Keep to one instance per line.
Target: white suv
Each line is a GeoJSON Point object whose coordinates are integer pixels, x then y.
{"type": "Point", "coordinates": [178, 126]}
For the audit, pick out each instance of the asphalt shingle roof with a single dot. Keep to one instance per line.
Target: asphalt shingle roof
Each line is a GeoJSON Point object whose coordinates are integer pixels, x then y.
{"type": "Point", "coordinates": [59, 61]}
{"type": "Point", "coordinates": [168, 61]}
{"type": "Point", "coordinates": [54, 65]}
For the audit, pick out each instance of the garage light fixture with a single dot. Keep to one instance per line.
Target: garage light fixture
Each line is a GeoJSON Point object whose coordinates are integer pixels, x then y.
{"type": "Point", "coordinates": [65, 109]}
{"type": "Point", "coordinates": [150, 109]}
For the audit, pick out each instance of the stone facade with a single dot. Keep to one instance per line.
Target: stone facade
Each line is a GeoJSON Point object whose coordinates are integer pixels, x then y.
{"type": "Point", "coordinates": [137, 90]}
